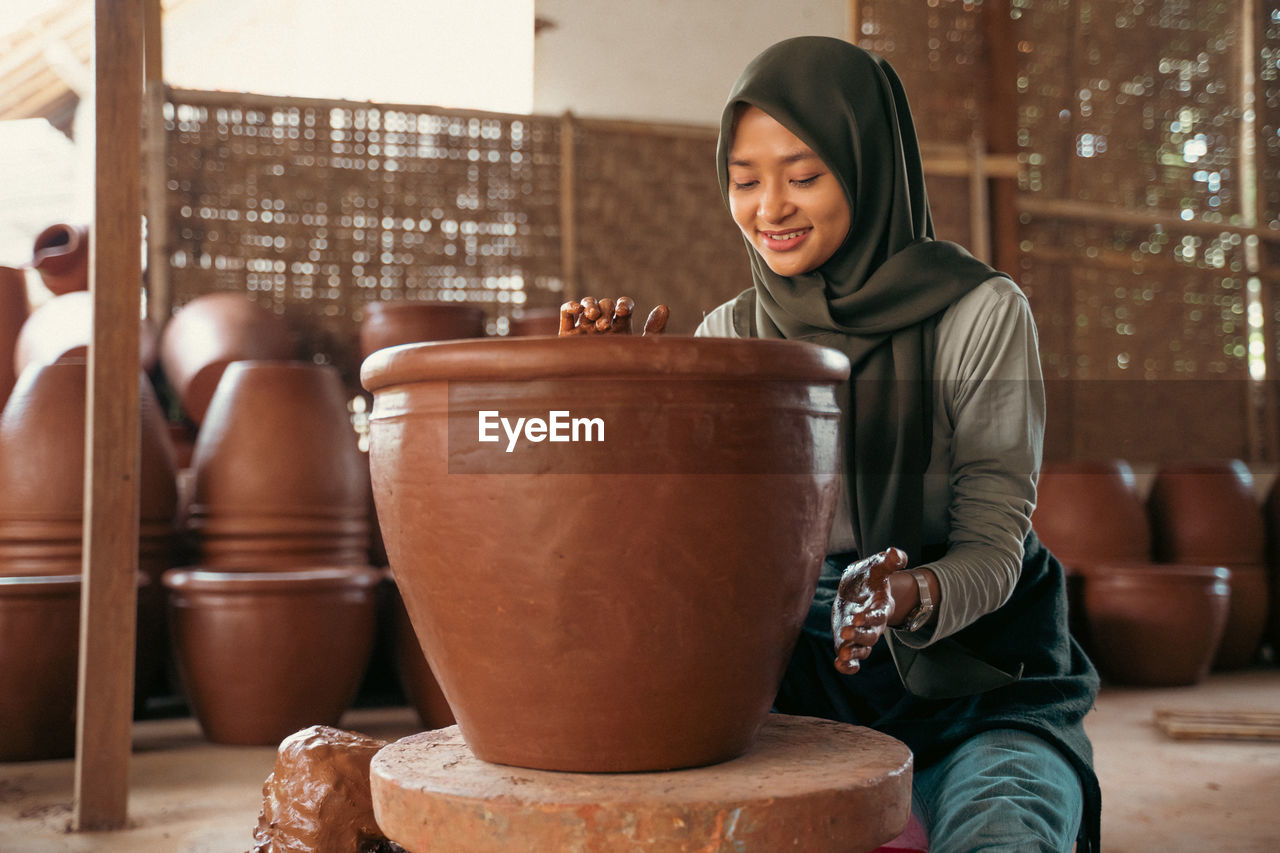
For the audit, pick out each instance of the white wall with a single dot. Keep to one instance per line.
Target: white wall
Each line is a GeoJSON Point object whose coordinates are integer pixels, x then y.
{"type": "Point", "coordinates": [661, 60]}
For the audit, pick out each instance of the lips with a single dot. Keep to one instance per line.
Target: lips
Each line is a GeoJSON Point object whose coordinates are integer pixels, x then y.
{"type": "Point", "coordinates": [782, 241]}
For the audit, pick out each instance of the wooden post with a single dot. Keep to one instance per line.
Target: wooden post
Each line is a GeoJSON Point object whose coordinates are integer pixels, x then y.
{"type": "Point", "coordinates": [159, 295]}
{"type": "Point", "coordinates": [1000, 128]}
{"type": "Point", "coordinates": [108, 616]}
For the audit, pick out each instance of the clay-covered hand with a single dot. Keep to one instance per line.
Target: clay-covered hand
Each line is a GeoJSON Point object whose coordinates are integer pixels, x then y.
{"type": "Point", "coordinates": [590, 316]}
{"type": "Point", "coordinates": [863, 604]}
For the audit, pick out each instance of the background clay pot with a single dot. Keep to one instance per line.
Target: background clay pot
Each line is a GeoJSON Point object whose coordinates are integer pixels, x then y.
{"type": "Point", "coordinates": [613, 606]}
{"type": "Point", "coordinates": [417, 679]}
{"type": "Point", "coordinates": [1206, 513]}
{"type": "Point", "coordinates": [61, 256]}
{"type": "Point", "coordinates": [1156, 625]}
{"type": "Point", "coordinates": [61, 329]}
{"type": "Point", "coordinates": [262, 655]}
{"type": "Point", "coordinates": [210, 332]}
{"type": "Point", "coordinates": [1088, 511]}
{"type": "Point", "coordinates": [13, 313]}
{"type": "Point", "coordinates": [277, 440]}
{"type": "Point", "coordinates": [39, 653]}
{"type": "Point", "coordinates": [388, 324]}
{"type": "Point", "coordinates": [535, 321]}
{"type": "Point", "coordinates": [1271, 515]}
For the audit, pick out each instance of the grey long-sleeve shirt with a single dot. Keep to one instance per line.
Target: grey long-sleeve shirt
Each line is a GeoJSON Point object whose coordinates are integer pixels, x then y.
{"type": "Point", "coordinates": [988, 430]}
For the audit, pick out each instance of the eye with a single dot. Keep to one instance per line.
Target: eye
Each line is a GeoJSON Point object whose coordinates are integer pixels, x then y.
{"type": "Point", "coordinates": [744, 185]}
{"type": "Point", "coordinates": [805, 182]}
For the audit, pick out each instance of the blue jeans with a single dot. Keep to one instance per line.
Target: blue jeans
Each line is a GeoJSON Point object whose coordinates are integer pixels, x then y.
{"type": "Point", "coordinates": [1003, 789]}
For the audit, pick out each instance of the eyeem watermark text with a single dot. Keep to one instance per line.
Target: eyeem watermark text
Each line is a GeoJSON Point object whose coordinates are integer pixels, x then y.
{"type": "Point", "coordinates": [559, 425]}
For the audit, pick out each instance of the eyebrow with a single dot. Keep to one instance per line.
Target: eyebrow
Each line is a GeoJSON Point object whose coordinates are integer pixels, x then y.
{"type": "Point", "coordinates": [796, 157]}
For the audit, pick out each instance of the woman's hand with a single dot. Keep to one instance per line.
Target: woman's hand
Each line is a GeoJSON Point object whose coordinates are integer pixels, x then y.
{"type": "Point", "coordinates": [590, 316]}
{"type": "Point", "coordinates": [864, 602]}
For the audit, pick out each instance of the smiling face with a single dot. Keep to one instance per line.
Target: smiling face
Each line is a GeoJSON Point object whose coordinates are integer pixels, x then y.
{"type": "Point", "coordinates": [783, 197]}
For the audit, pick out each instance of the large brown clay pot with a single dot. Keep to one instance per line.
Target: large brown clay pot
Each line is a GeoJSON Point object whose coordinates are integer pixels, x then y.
{"type": "Point", "coordinates": [39, 651]}
{"type": "Point", "coordinates": [13, 313]}
{"type": "Point", "coordinates": [1205, 512]}
{"type": "Point", "coordinates": [1271, 517]}
{"type": "Point", "coordinates": [388, 324]}
{"type": "Point", "coordinates": [61, 256]}
{"type": "Point", "coordinates": [210, 332]}
{"type": "Point", "coordinates": [61, 328]}
{"type": "Point", "coordinates": [1156, 625]}
{"type": "Point", "coordinates": [615, 605]}
{"type": "Point", "coordinates": [1090, 511]}
{"type": "Point", "coordinates": [262, 655]}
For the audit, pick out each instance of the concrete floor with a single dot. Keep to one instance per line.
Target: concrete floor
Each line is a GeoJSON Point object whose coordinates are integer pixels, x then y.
{"type": "Point", "coordinates": [188, 796]}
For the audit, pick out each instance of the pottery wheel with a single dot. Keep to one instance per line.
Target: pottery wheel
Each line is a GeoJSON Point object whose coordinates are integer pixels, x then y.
{"type": "Point", "coordinates": [806, 784]}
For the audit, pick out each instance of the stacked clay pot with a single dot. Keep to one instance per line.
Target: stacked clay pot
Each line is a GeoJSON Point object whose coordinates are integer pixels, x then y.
{"type": "Point", "coordinates": [534, 321]}
{"type": "Point", "coordinates": [39, 654]}
{"type": "Point", "coordinates": [262, 655]}
{"type": "Point", "coordinates": [1206, 512]}
{"type": "Point", "coordinates": [61, 328]}
{"type": "Point", "coordinates": [42, 461]}
{"type": "Point", "coordinates": [419, 682]}
{"type": "Point", "coordinates": [618, 605]}
{"type": "Point", "coordinates": [279, 481]}
{"type": "Point", "coordinates": [210, 332]}
{"type": "Point", "coordinates": [1271, 515]}
{"type": "Point", "coordinates": [388, 324]}
{"type": "Point", "coordinates": [1130, 614]}
{"type": "Point", "coordinates": [13, 313]}
{"type": "Point", "coordinates": [61, 256]}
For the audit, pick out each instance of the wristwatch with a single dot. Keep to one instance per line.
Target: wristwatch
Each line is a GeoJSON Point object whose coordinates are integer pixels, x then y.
{"type": "Point", "coordinates": [923, 611]}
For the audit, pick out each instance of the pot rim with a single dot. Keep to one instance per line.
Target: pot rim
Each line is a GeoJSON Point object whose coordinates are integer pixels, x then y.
{"type": "Point", "coordinates": [608, 356]}
{"type": "Point", "coordinates": [205, 579]}
{"type": "Point", "coordinates": [1170, 572]}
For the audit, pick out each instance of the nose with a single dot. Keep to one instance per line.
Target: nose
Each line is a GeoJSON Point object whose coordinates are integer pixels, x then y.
{"type": "Point", "coordinates": [775, 203]}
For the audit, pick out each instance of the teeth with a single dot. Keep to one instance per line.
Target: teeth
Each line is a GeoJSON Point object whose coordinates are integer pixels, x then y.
{"type": "Point", "coordinates": [790, 235]}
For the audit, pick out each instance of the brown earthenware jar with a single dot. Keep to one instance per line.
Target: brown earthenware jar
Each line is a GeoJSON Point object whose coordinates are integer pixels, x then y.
{"type": "Point", "coordinates": [39, 654]}
{"type": "Point", "coordinates": [13, 313]}
{"type": "Point", "coordinates": [1205, 512]}
{"type": "Point", "coordinates": [627, 600]}
{"type": "Point", "coordinates": [262, 655]}
{"type": "Point", "coordinates": [1156, 625]}
{"type": "Point", "coordinates": [1090, 511]}
{"type": "Point", "coordinates": [210, 332]}
{"type": "Point", "coordinates": [534, 321]}
{"type": "Point", "coordinates": [61, 328]}
{"type": "Point", "coordinates": [61, 256]}
{"type": "Point", "coordinates": [277, 441]}
{"type": "Point", "coordinates": [417, 679]}
{"type": "Point", "coordinates": [388, 324]}
{"type": "Point", "coordinates": [1271, 517]}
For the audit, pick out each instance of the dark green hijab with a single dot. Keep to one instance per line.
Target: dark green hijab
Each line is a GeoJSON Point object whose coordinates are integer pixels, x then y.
{"type": "Point", "coordinates": [878, 298]}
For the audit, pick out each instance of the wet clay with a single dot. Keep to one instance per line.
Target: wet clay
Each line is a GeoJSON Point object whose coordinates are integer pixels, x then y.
{"type": "Point", "coordinates": [607, 317]}
{"type": "Point", "coordinates": [317, 797]}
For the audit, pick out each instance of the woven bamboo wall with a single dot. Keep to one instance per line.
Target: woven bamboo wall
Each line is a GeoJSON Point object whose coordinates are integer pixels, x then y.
{"type": "Point", "coordinates": [1147, 203]}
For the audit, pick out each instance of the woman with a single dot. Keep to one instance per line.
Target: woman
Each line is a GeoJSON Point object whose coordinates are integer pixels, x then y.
{"type": "Point", "coordinates": [965, 656]}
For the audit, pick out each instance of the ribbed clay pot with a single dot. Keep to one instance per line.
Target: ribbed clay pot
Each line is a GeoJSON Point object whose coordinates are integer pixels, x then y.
{"type": "Point", "coordinates": [608, 605]}
{"type": "Point", "coordinates": [61, 256]}
{"type": "Point", "coordinates": [210, 332]}
{"type": "Point", "coordinates": [39, 653]}
{"type": "Point", "coordinates": [1156, 625]}
{"type": "Point", "coordinates": [1088, 512]}
{"type": "Point", "coordinates": [389, 324]}
{"type": "Point", "coordinates": [262, 655]}
{"type": "Point", "coordinates": [534, 321]}
{"type": "Point", "coordinates": [61, 328]}
{"type": "Point", "coordinates": [13, 313]}
{"type": "Point", "coordinates": [1206, 513]}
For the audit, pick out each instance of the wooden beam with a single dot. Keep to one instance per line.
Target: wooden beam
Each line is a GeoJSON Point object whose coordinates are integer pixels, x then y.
{"type": "Point", "coordinates": [159, 292]}
{"type": "Point", "coordinates": [108, 616]}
